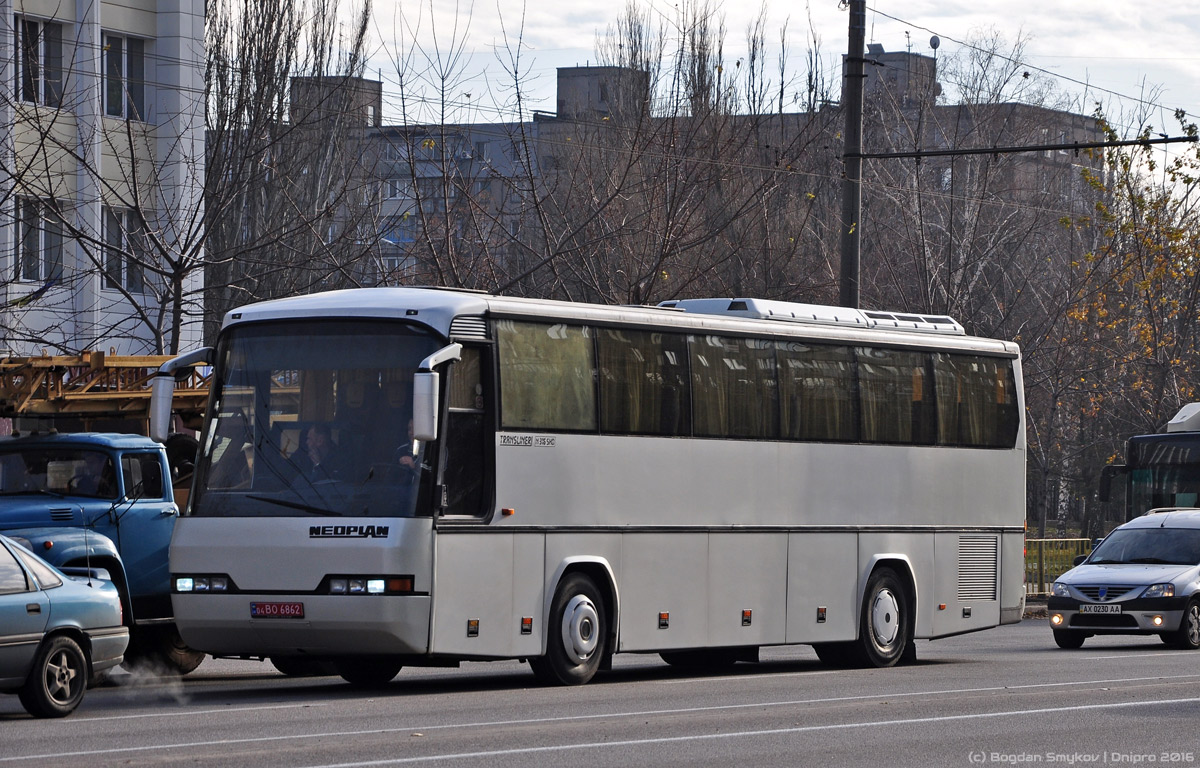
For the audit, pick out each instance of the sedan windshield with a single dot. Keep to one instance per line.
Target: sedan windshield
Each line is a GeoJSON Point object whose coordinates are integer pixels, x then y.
{"type": "Point", "coordinates": [313, 418]}
{"type": "Point", "coordinates": [1152, 546]}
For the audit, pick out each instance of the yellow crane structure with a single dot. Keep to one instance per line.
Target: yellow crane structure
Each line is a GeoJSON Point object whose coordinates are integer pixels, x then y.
{"type": "Point", "coordinates": [94, 387]}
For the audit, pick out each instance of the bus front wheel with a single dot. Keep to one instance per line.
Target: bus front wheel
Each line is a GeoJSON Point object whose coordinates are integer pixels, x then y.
{"type": "Point", "coordinates": [577, 634]}
{"type": "Point", "coordinates": [885, 628]}
{"type": "Point", "coordinates": [367, 672]}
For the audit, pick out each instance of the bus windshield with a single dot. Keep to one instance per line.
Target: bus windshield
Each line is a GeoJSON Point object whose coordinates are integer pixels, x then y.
{"type": "Point", "coordinates": [1164, 485]}
{"type": "Point", "coordinates": [313, 418]}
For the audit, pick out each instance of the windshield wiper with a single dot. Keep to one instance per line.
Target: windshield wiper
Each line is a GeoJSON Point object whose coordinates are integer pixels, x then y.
{"type": "Point", "coordinates": [1151, 561]}
{"type": "Point", "coordinates": [297, 505]}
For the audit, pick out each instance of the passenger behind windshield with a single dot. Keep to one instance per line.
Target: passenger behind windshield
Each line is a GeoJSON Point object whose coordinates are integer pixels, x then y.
{"type": "Point", "coordinates": [1149, 546]}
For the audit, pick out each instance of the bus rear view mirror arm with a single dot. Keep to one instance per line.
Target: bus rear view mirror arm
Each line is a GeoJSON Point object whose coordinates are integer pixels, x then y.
{"type": "Point", "coordinates": [162, 389]}
{"type": "Point", "coordinates": [425, 392]}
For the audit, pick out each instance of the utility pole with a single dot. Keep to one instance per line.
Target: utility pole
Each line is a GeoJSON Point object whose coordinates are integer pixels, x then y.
{"type": "Point", "coordinates": [852, 101]}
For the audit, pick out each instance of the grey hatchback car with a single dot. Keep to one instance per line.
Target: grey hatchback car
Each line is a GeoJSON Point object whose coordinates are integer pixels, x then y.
{"type": "Point", "coordinates": [1142, 579]}
{"type": "Point", "coordinates": [57, 631]}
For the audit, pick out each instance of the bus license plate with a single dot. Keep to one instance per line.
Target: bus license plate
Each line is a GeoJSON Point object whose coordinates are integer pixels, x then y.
{"type": "Point", "coordinates": [1097, 608]}
{"type": "Point", "coordinates": [277, 610]}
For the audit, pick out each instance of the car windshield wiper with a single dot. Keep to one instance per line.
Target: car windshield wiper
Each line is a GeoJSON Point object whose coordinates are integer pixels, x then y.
{"type": "Point", "coordinates": [314, 510]}
{"type": "Point", "coordinates": [1151, 561]}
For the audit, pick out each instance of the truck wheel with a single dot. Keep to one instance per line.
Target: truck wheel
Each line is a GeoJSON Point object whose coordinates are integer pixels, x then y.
{"type": "Point", "coordinates": [160, 649]}
{"type": "Point", "coordinates": [58, 680]}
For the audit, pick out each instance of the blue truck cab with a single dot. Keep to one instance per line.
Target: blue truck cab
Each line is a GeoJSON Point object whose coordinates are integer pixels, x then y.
{"type": "Point", "coordinates": [101, 501]}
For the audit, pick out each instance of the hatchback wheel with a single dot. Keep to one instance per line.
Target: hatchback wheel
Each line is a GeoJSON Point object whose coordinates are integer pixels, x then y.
{"type": "Point", "coordinates": [1188, 634]}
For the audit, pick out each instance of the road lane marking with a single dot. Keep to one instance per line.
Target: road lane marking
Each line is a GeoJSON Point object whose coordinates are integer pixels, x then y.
{"type": "Point", "coordinates": [539, 720]}
{"type": "Point", "coordinates": [749, 734]}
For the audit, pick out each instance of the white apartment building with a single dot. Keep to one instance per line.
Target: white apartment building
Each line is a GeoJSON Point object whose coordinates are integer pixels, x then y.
{"type": "Point", "coordinates": [101, 175]}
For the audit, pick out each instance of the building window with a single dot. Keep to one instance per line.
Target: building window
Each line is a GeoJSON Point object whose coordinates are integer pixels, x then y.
{"type": "Point", "coordinates": [39, 68]}
{"type": "Point", "coordinates": [39, 242]}
{"type": "Point", "coordinates": [397, 189]}
{"type": "Point", "coordinates": [124, 77]}
{"type": "Point", "coordinates": [125, 251]}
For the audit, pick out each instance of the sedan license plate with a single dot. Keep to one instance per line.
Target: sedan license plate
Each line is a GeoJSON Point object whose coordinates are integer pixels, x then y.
{"type": "Point", "coordinates": [1099, 608]}
{"type": "Point", "coordinates": [277, 610]}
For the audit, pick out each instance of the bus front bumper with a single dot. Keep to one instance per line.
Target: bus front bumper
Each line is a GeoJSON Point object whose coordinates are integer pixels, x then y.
{"type": "Point", "coordinates": [330, 625]}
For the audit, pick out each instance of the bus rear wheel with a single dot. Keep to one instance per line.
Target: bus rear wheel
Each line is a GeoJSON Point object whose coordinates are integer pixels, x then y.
{"type": "Point", "coordinates": [367, 672]}
{"type": "Point", "coordinates": [885, 626]}
{"type": "Point", "coordinates": [577, 634]}
{"type": "Point", "coordinates": [160, 649]}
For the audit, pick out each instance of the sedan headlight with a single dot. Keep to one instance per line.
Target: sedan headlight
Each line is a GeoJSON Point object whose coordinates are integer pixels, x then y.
{"type": "Point", "coordinates": [1159, 590]}
{"type": "Point", "coordinates": [1060, 590]}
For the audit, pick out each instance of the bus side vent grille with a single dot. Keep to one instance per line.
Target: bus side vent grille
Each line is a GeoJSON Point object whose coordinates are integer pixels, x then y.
{"type": "Point", "coordinates": [469, 328]}
{"type": "Point", "coordinates": [978, 561]}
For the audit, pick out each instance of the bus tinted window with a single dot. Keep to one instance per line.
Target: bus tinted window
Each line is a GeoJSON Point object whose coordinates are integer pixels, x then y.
{"type": "Point", "coordinates": [977, 403]}
{"type": "Point", "coordinates": [734, 391]}
{"type": "Point", "coordinates": [546, 376]}
{"type": "Point", "coordinates": [817, 392]}
{"type": "Point", "coordinates": [643, 383]}
{"type": "Point", "coordinates": [896, 401]}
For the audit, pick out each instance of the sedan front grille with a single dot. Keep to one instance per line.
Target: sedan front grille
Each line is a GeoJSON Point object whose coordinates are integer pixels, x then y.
{"type": "Point", "coordinates": [1111, 592]}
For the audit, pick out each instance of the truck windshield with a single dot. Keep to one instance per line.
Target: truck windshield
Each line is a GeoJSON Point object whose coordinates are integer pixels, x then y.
{"type": "Point", "coordinates": [58, 472]}
{"type": "Point", "coordinates": [1165, 546]}
{"type": "Point", "coordinates": [313, 418]}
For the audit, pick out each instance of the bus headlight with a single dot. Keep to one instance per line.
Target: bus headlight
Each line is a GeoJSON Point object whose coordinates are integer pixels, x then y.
{"type": "Point", "coordinates": [209, 583]}
{"type": "Point", "coordinates": [366, 585]}
{"type": "Point", "coordinates": [1159, 590]}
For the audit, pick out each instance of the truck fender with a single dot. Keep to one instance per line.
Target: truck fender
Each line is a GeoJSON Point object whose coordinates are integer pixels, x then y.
{"type": "Point", "coordinates": [67, 544]}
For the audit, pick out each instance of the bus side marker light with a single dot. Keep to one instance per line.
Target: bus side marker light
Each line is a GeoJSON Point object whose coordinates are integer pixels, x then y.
{"type": "Point", "coordinates": [1056, 619]}
{"type": "Point", "coordinates": [746, 618]}
{"type": "Point", "coordinates": [664, 620]}
{"type": "Point", "coordinates": [821, 609]}
{"type": "Point", "coordinates": [507, 512]}
{"type": "Point", "coordinates": [941, 606]}
{"type": "Point", "coordinates": [472, 627]}
{"type": "Point", "coordinates": [526, 625]}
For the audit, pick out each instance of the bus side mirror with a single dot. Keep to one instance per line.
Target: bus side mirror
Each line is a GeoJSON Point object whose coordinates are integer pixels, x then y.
{"type": "Point", "coordinates": [1104, 493]}
{"type": "Point", "coordinates": [425, 392]}
{"type": "Point", "coordinates": [425, 406]}
{"type": "Point", "coordinates": [162, 390]}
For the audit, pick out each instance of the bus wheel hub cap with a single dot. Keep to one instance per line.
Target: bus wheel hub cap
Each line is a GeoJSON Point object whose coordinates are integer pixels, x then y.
{"type": "Point", "coordinates": [885, 617]}
{"type": "Point", "coordinates": [580, 629]}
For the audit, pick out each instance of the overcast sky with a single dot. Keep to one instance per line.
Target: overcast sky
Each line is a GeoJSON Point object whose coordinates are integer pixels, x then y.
{"type": "Point", "coordinates": [1127, 51]}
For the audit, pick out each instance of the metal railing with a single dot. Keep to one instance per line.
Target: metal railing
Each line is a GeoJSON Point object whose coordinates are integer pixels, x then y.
{"type": "Point", "coordinates": [1047, 559]}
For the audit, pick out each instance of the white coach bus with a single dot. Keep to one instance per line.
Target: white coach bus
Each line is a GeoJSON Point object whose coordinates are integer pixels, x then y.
{"type": "Point", "coordinates": [697, 480]}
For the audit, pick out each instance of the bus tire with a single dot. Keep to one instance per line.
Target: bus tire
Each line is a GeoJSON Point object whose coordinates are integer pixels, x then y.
{"type": "Point", "coordinates": [577, 634]}
{"type": "Point", "coordinates": [1068, 638]}
{"type": "Point", "coordinates": [367, 672]}
{"type": "Point", "coordinates": [885, 627]}
{"type": "Point", "coordinates": [1187, 636]}
{"type": "Point", "coordinates": [159, 648]}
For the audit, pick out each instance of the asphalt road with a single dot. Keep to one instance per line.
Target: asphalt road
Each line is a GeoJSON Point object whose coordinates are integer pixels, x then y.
{"type": "Point", "coordinates": [1007, 696]}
